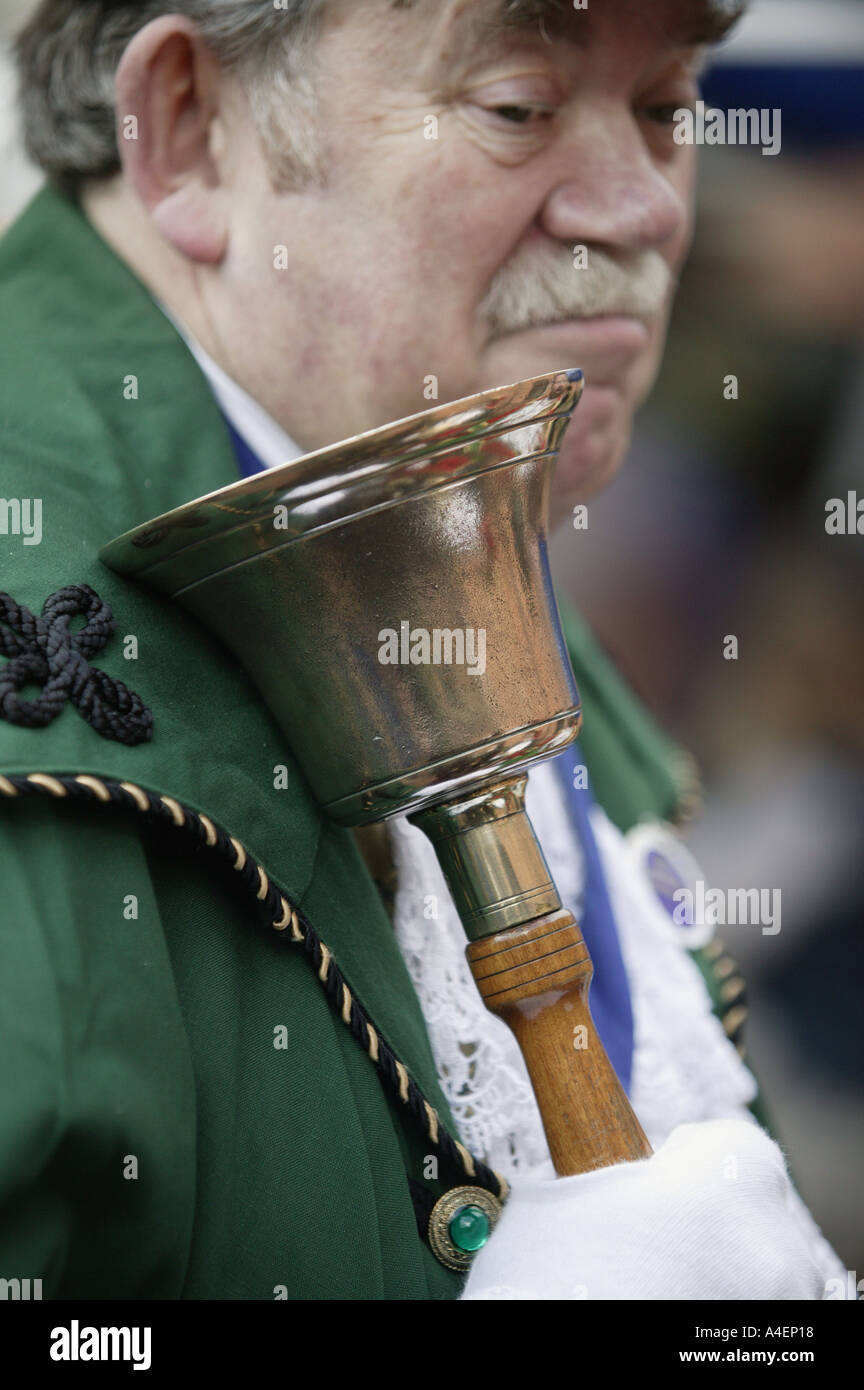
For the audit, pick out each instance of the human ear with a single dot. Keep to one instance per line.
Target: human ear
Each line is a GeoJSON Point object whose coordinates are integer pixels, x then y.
{"type": "Point", "coordinates": [168, 90]}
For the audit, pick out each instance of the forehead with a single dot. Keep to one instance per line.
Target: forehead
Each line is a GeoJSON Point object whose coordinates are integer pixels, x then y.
{"type": "Point", "coordinates": [678, 21]}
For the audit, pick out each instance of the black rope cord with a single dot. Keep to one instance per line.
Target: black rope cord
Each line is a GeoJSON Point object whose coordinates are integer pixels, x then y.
{"type": "Point", "coordinates": [44, 652]}
{"type": "Point", "coordinates": [292, 926]}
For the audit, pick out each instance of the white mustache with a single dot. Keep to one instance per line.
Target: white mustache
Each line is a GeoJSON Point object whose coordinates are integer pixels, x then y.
{"type": "Point", "coordinates": [541, 286]}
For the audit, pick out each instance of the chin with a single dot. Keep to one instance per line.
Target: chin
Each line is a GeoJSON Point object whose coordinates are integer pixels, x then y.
{"type": "Point", "coordinates": [598, 435]}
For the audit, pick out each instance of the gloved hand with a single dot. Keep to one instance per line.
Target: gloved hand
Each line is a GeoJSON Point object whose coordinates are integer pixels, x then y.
{"type": "Point", "coordinates": [710, 1216]}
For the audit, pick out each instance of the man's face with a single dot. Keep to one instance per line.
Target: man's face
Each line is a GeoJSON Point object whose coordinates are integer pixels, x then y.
{"type": "Point", "coordinates": [463, 170]}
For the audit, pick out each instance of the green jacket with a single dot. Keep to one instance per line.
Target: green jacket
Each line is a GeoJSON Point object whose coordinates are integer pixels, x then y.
{"type": "Point", "coordinates": [155, 1141]}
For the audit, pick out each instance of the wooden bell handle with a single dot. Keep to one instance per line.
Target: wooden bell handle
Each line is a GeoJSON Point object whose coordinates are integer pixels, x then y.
{"type": "Point", "coordinates": [536, 978]}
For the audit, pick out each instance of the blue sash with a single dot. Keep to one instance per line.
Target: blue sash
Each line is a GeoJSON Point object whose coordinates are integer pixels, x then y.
{"type": "Point", "coordinates": [610, 992]}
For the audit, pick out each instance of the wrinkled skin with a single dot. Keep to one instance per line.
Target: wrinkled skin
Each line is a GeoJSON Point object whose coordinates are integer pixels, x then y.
{"type": "Point", "coordinates": [545, 141]}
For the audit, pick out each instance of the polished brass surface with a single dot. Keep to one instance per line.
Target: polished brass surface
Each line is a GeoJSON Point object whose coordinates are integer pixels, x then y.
{"type": "Point", "coordinates": [452, 775]}
{"type": "Point", "coordinates": [435, 525]}
{"type": "Point", "coordinates": [490, 857]}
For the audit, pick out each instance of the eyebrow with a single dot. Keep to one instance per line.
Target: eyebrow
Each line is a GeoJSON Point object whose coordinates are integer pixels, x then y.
{"type": "Point", "coordinates": [703, 21]}
{"type": "Point", "coordinates": [709, 21]}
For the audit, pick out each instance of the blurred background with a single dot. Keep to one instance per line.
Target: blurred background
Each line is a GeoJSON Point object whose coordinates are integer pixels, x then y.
{"type": "Point", "coordinates": [717, 527]}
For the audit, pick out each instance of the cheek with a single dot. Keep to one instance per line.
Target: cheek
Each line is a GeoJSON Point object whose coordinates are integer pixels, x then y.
{"type": "Point", "coordinates": [649, 366]}
{"type": "Point", "coordinates": [472, 217]}
{"type": "Point", "coordinates": [684, 183]}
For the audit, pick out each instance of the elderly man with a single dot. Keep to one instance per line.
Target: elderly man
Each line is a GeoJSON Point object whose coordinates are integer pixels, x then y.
{"type": "Point", "coordinates": [267, 227]}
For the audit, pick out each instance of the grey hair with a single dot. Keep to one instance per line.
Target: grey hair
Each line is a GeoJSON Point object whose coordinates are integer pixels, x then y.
{"type": "Point", "coordinates": [68, 53]}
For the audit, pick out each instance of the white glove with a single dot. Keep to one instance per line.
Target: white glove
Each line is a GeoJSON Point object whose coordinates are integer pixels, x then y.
{"type": "Point", "coordinates": [711, 1215]}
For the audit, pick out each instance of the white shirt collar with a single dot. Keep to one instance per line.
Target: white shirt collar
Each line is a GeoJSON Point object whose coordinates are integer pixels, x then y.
{"type": "Point", "coordinates": [267, 439]}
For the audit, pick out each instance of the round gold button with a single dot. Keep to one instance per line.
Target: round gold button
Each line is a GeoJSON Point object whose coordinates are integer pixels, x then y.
{"type": "Point", "coordinates": [460, 1224]}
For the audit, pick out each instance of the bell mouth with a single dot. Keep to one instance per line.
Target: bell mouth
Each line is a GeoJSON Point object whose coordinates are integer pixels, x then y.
{"type": "Point", "coordinates": [444, 780]}
{"type": "Point", "coordinates": [370, 472]}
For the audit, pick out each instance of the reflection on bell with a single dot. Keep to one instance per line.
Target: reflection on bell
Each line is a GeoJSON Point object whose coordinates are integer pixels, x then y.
{"type": "Point", "coordinates": [391, 598]}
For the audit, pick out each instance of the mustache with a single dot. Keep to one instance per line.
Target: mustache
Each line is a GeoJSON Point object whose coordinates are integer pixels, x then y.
{"type": "Point", "coordinates": [542, 285]}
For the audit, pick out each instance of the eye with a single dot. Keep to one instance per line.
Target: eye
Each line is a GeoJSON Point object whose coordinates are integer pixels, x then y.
{"type": "Point", "coordinates": [664, 115]}
{"type": "Point", "coordinates": [520, 115]}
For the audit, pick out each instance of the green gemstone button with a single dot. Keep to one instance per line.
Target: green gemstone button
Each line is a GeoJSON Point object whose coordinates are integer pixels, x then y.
{"type": "Point", "coordinates": [469, 1229]}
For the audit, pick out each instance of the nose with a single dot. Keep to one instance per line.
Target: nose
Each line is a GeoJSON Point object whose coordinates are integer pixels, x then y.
{"type": "Point", "coordinates": [609, 190]}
